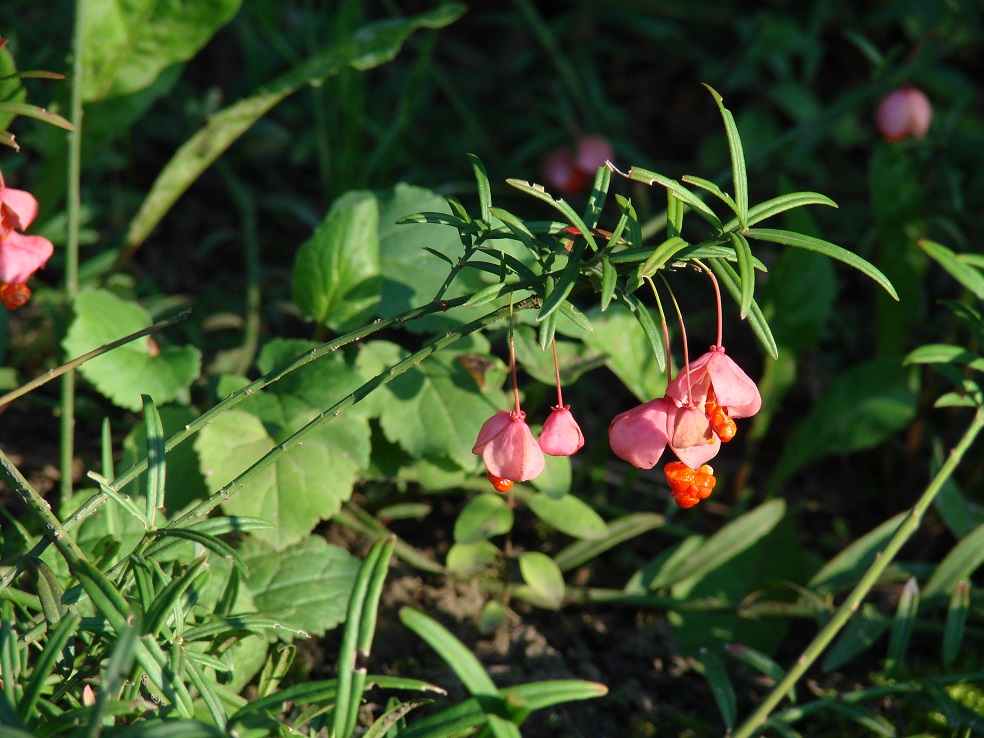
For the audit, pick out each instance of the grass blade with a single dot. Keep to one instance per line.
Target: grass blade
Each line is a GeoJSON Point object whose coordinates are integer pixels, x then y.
{"type": "Point", "coordinates": [155, 460]}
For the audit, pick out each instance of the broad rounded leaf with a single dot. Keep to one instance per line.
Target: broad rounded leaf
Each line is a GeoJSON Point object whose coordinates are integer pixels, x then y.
{"type": "Point", "coordinates": [307, 584]}
{"type": "Point", "coordinates": [482, 518]}
{"type": "Point", "coordinates": [336, 272]}
{"type": "Point", "coordinates": [543, 577]}
{"type": "Point", "coordinates": [137, 368]}
{"type": "Point", "coordinates": [569, 515]}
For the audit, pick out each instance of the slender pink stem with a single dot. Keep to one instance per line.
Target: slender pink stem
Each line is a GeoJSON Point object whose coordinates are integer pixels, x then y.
{"type": "Point", "coordinates": [560, 396]}
{"type": "Point", "coordinates": [686, 352]}
{"type": "Point", "coordinates": [512, 369]}
{"type": "Point", "coordinates": [717, 296]}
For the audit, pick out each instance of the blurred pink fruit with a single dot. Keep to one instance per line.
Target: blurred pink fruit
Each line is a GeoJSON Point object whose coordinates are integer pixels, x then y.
{"type": "Point", "coordinates": [903, 113]}
{"type": "Point", "coordinates": [570, 172]}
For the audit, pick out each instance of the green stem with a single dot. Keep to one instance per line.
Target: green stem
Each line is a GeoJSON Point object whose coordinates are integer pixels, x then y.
{"type": "Point", "coordinates": [853, 601]}
{"type": "Point", "coordinates": [328, 415]}
{"type": "Point", "coordinates": [78, 361]}
{"type": "Point", "coordinates": [40, 509]}
{"type": "Point", "coordinates": [73, 206]}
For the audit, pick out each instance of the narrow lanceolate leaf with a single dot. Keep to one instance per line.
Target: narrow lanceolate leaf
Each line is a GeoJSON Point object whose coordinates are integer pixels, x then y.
{"type": "Point", "coordinates": [746, 272]}
{"type": "Point", "coordinates": [649, 327]}
{"type": "Point", "coordinates": [788, 238]}
{"type": "Point", "coordinates": [484, 189]}
{"type": "Point", "coordinates": [711, 187]}
{"type": "Point", "coordinates": [45, 664]}
{"type": "Point", "coordinates": [724, 693]}
{"type": "Point", "coordinates": [903, 624]}
{"type": "Point", "coordinates": [738, 172]}
{"type": "Point", "coordinates": [662, 254]}
{"type": "Point", "coordinates": [848, 566]}
{"type": "Point", "coordinates": [755, 659]}
{"type": "Point", "coordinates": [464, 663]}
{"type": "Point", "coordinates": [737, 536]}
{"type": "Point", "coordinates": [958, 267]}
{"type": "Point", "coordinates": [33, 111]}
{"type": "Point", "coordinates": [599, 192]}
{"type": "Point", "coordinates": [49, 589]}
{"type": "Point", "coordinates": [560, 206]}
{"type": "Point", "coordinates": [962, 561]}
{"type": "Point", "coordinates": [680, 192]}
{"type": "Point", "coordinates": [756, 319]}
{"type": "Point", "coordinates": [777, 205]}
{"type": "Point", "coordinates": [455, 720]}
{"type": "Point", "coordinates": [608, 278]}
{"type": "Point", "coordinates": [956, 620]}
{"type": "Point", "coordinates": [155, 459]}
{"type": "Point", "coordinates": [360, 625]}
{"type": "Point", "coordinates": [618, 531]}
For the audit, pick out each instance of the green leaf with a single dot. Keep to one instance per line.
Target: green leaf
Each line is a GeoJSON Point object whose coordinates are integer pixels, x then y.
{"type": "Point", "coordinates": [847, 567]}
{"type": "Point", "coordinates": [127, 372]}
{"type": "Point", "coordinates": [746, 272]}
{"type": "Point", "coordinates": [369, 47]}
{"type": "Point", "coordinates": [960, 514]}
{"type": "Point", "coordinates": [739, 175]}
{"type": "Point", "coordinates": [903, 625]}
{"type": "Point", "coordinates": [301, 488]}
{"type": "Point", "coordinates": [866, 626]}
{"type": "Point", "coordinates": [737, 536]}
{"type": "Point", "coordinates": [962, 271]}
{"type": "Point", "coordinates": [484, 517]}
{"type": "Point", "coordinates": [336, 272]}
{"type": "Point", "coordinates": [770, 208]}
{"type": "Point", "coordinates": [470, 558]}
{"type": "Point", "coordinates": [962, 561]}
{"type": "Point", "coordinates": [156, 468]}
{"type": "Point", "coordinates": [569, 515]}
{"type": "Point", "coordinates": [662, 254]}
{"type": "Point", "coordinates": [126, 45]}
{"type": "Point", "coordinates": [306, 585]}
{"type": "Point", "coordinates": [58, 637]}
{"type": "Point", "coordinates": [484, 189]}
{"type": "Point", "coordinates": [956, 620]}
{"type": "Point", "coordinates": [618, 531]}
{"type": "Point", "coordinates": [628, 352]}
{"type": "Point", "coordinates": [866, 718]}
{"type": "Point", "coordinates": [434, 410]}
{"type": "Point", "coordinates": [763, 664]}
{"type": "Point", "coordinates": [544, 578]}
{"type": "Point", "coordinates": [649, 329]}
{"type": "Point", "coordinates": [861, 408]}
{"type": "Point", "coordinates": [756, 319]}
{"type": "Point", "coordinates": [309, 483]}
{"type": "Point", "coordinates": [679, 191]}
{"type": "Point", "coordinates": [134, 52]}
{"type": "Point", "coordinates": [360, 627]}
{"type": "Point", "coordinates": [724, 693]}
{"type": "Point", "coordinates": [466, 666]}
{"type": "Point", "coordinates": [411, 274]}
{"type": "Point", "coordinates": [826, 248]}
{"type": "Point", "coordinates": [560, 206]}
{"type": "Point", "coordinates": [454, 721]}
